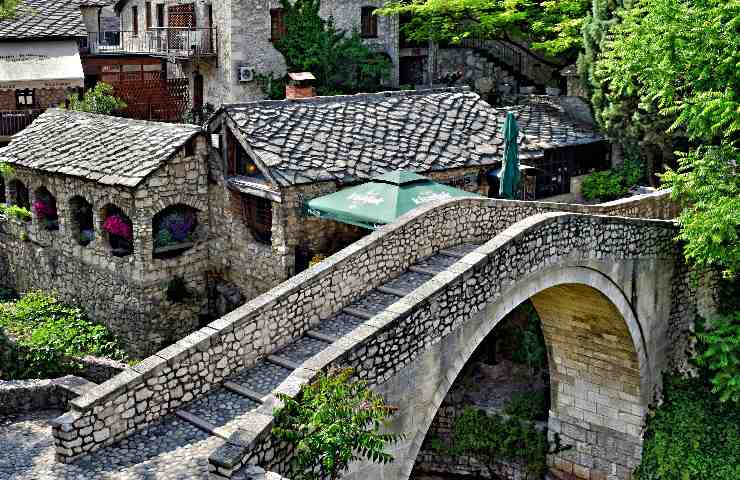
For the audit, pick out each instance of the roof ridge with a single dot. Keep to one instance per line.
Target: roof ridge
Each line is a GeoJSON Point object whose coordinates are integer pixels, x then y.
{"type": "Point", "coordinates": [344, 98]}
{"type": "Point", "coordinates": [135, 121]}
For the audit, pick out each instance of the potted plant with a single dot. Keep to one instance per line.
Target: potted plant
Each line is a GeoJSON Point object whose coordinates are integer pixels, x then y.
{"type": "Point", "coordinates": [175, 231]}
{"type": "Point", "coordinates": [120, 234]}
{"type": "Point", "coordinates": [46, 212]}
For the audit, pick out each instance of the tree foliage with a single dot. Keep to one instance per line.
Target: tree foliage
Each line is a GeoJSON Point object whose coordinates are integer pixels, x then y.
{"type": "Point", "coordinates": [332, 422]}
{"type": "Point", "coordinates": [99, 99]}
{"type": "Point", "coordinates": [552, 26]}
{"type": "Point", "coordinates": [9, 8]}
{"type": "Point", "coordinates": [719, 353]}
{"type": "Point", "coordinates": [675, 63]}
{"type": "Point", "coordinates": [691, 435]}
{"type": "Point", "coordinates": [339, 60]}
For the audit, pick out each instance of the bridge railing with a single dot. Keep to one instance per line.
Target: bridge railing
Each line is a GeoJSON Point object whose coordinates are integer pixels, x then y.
{"type": "Point", "coordinates": [201, 361]}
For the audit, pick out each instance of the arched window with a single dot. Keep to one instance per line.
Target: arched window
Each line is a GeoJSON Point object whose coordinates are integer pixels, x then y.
{"type": "Point", "coordinates": [19, 194]}
{"type": "Point", "coordinates": [81, 220]}
{"type": "Point", "coordinates": [118, 230]}
{"type": "Point", "coordinates": [173, 230]}
{"type": "Point", "coordinates": [45, 209]}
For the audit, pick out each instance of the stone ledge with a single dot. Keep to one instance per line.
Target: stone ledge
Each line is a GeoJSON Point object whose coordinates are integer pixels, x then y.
{"type": "Point", "coordinates": [28, 395]}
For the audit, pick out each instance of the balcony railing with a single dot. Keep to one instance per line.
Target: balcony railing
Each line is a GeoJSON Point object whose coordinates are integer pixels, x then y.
{"type": "Point", "coordinates": [165, 42]}
{"type": "Point", "coordinates": [13, 121]}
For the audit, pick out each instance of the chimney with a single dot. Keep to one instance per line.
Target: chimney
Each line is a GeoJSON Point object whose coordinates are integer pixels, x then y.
{"type": "Point", "coordinates": [299, 86]}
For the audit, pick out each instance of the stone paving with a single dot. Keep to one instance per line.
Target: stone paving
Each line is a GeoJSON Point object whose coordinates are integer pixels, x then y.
{"type": "Point", "coordinates": [173, 448]}
{"type": "Point", "coordinates": [437, 263]}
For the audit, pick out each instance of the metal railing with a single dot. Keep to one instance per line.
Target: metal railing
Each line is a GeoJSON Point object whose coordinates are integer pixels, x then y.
{"type": "Point", "coordinates": [167, 42]}
{"type": "Point", "coordinates": [13, 121]}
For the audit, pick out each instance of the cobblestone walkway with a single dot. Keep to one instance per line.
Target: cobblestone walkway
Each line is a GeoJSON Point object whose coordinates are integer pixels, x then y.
{"type": "Point", "coordinates": [178, 447]}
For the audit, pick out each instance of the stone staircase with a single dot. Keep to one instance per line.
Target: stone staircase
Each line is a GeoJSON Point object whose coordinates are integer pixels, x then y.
{"type": "Point", "coordinates": [178, 446]}
{"type": "Point", "coordinates": [219, 413]}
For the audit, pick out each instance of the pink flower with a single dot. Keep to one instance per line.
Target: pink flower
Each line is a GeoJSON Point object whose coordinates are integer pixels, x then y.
{"type": "Point", "coordinates": [43, 209]}
{"type": "Point", "coordinates": [116, 225]}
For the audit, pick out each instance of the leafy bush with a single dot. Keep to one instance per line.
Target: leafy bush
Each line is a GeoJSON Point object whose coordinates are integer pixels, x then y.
{"type": "Point", "coordinates": [719, 353]}
{"type": "Point", "coordinates": [612, 184]}
{"type": "Point", "coordinates": [15, 211]}
{"type": "Point", "coordinates": [691, 436]}
{"type": "Point", "coordinates": [8, 294]}
{"type": "Point", "coordinates": [49, 334]}
{"type": "Point", "coordinates": [492, 439]}
{"type": "Point", "coordinates": [529, 405]}
{"type": "Point", "coordinates": [99, 99]}
{"type": "Point", "coordinates": [331, 423]}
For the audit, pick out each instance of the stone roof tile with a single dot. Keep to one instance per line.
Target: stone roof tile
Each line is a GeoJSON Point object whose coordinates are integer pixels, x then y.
{"type": "Point", "coordinates": [352, 138]}
{"type": "Point", "coordinates": [101, 148]}
{"type": "Point", "coordinates": [44, 19]}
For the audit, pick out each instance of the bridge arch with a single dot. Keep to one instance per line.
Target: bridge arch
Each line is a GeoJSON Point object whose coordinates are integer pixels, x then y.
{"type": "Point", "coordinates": [598, 362]}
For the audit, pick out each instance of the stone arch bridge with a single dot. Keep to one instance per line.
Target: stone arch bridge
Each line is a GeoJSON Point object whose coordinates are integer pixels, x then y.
{"type": "Point", "coordinates": [406, 307]}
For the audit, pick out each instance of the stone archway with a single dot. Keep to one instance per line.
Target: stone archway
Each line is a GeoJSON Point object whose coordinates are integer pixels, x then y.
{"type": "Point", "coordinates": [594, 340]}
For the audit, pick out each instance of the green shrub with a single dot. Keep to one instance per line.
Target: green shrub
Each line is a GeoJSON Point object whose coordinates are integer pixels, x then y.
{"type": "Point", "coordinates": [48, 334]}
{"type": "Point", "coordinates": [691, 435]}
{"type": "Point", "coordinates": [8, 294]}
{"type": "Point", "coordinates": [491, 439]}
{"type": "Point", "coordinates": [719, 353]}
{"type": "Point", "coordinates": [612, 184]}
{"type": "Point", "coordinates": [529, 405]}
{"type": "Point", "coordinates": [15, 211]}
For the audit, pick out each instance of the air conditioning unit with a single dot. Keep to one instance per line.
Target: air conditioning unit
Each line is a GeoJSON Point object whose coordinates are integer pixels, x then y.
{"type": "Point", "coordinates": [246, 74]}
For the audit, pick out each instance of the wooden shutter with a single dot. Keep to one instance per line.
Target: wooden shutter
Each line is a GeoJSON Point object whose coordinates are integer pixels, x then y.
{"type": "Point", "coordinates": [368, 23]}
{"type": "Point", "coordinates": [181, 16]}
{"type": "Point", "coordinates": [257, 214]}
{"type": "Point", "coordinates": [148, 14]}
{"type": "Point", "coordinates": [135, 20]}
{"type": "Point", "coordinates": [277, 24]}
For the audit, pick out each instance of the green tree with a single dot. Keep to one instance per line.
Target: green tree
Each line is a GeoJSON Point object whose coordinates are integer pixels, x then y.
{"type": "Point", "coordinates": [552, 26]}
{"type": "Point", "coordinates": [678, 60]}
{"type": "Point", "coordinates": [8, 8]}
{"type": "Point", "coordinates": [332, 422]}
{"type": "Point", "coordinates": [341, 62]}
{"type": "Point", "coordinates": [99, 99]}
{"type": "Point", "coordinates": [719, 353]}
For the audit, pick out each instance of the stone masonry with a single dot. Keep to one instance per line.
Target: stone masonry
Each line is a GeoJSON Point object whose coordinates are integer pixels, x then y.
{"type": "Point", "coordinates": [198, 363]}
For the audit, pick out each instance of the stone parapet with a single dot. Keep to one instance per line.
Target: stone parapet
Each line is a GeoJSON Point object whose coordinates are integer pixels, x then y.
{"type": "Point", "coordinates": [32, 395]}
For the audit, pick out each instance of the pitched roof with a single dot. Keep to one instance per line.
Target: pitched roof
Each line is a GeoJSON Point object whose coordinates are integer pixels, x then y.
{"type": "Point", "coordinates": [44, 19]}
{"type": "Point", "coordinates": [351, 138]}
{"type": "Point", "coordinates": [108, 150]}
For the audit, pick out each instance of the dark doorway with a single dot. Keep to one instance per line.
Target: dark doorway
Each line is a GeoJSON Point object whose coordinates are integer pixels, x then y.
{"type": "Point", "coordinates": [411, 70]}
{"type": "Point", "coordinates": [197, 91]}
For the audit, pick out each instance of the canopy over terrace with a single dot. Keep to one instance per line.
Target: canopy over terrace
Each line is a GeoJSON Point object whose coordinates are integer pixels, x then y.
{"type": "Point", "coordinates": [382, 200]}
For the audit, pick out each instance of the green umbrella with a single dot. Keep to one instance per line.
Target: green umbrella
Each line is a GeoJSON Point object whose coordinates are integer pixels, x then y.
{"type": "Point", "coordinates": [382, 200]}
{"type": "Point", "coordinates": [510, 178]}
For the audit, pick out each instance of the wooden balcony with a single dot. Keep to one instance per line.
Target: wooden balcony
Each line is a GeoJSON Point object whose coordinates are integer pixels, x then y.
{"type": "Point", "coordinates": [175, 43]}
{"type": "Point", "coordinates": [13, 121]}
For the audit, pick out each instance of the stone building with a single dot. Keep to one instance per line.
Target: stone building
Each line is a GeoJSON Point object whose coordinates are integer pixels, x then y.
{"type": "Point", "coordinates": [274, 156]}
{"type": "Point", "coordinates": [120, 221]}
{"type": "Point", "coordinates": [223, 47]}
{"type": "Point", "coordinates": [210, 219]}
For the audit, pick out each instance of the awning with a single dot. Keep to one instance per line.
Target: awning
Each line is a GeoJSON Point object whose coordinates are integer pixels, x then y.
{"type": "Point", "coordinates": [382, 200]}
{"type": "Point", "coordinates": [47, 64]}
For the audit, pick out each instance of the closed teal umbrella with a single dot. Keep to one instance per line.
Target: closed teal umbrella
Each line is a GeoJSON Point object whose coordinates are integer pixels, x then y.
{"type": "Point", "coordinates": [510, 177]}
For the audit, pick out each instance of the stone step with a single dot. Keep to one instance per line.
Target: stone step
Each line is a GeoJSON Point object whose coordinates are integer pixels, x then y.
{"type": "Point", "coordinates": [283, 362]}
{"type": "Point", "coordinates": [199, 422]}
{"type": "Point", "coordinates": [302, 349]}
{"type": "Point", "coordinates": [374, 302]}
{"type": "Point", "coordinates": [356, 312]}
{"type": "Point", "coordinates": [321, 336]}
{"type": "Point", "coordinates": [339, 325]}
{"type": "Point", "coordinates": [392, 291]}
{"type": "Point", "coordinates": [244, 391]}
{"type": "Point", "coordinates": [452, 253]}
{"type": "Point", "coordinates": [263, 377]}
{"type": "Point", "coordinates": [406, 283]}
{"type": "Point", "coordinates": [221, 406]}
{"type": "Point", "coordinates": [423, 270]}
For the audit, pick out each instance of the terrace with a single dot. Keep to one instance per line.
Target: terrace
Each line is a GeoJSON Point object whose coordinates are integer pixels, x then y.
{"type": "Point", "coordinates": [13, 121]}
{"type": "Point", "coordinates": [171, 42]}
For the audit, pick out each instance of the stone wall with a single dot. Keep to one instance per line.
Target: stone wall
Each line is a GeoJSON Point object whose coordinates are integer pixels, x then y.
{"type": "Point", "coordinates": [44, 98]}
{"type": "Point", "coordinates": [33, 395]}
{"type": "Point", "coordinates": [244, 40]}
{"type": "Point", "coordinates": [199, 362]}
{"type": "Point", "coordinates": [127, 294]}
